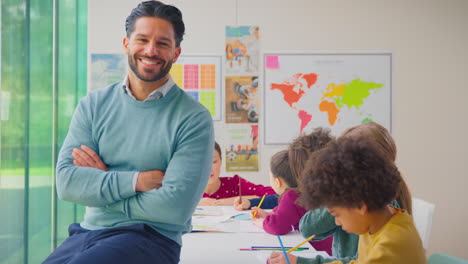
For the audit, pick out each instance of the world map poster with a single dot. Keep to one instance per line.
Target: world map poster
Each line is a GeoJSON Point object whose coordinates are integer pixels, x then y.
{"type": "Point", "coordinates": [335, 90]}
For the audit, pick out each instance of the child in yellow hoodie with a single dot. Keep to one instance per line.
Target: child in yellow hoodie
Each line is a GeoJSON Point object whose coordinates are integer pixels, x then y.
{"type": "Point", "coordinates": [356, 182]}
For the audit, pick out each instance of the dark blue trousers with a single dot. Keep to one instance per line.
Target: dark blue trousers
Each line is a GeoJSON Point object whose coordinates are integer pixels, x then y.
{"type": "Point", "coordinates": [127, 244]}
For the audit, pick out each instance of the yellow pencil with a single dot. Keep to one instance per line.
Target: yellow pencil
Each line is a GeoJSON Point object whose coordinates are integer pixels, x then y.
{"type": "Point", "coordinates": [259, 204]}
{"type": "Point", "coordinates": [300, 244]}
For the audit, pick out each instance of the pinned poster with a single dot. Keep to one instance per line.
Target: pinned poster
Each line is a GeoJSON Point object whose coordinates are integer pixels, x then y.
{"type": "Point", "coordinates": [106, 69]}
{"type": "Point", "coordinates": [241, 150]}
{"type": "Point", "coordinates": [334, 90]}
{"type": "Point", "coordinates": [242, 50]}
{"type": "Point", "coordinates": [200, 77]}
{"type": "Point", "coordinates": [242, 99]}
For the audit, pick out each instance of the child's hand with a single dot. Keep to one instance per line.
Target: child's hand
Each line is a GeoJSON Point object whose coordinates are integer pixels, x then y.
{"type": "Point", "coordinates": [260, 213]}
{"type": "Point", "coordinates": [208, 201]}
{"type": "Point", "coordinates": [258, 222]}
{"type": "Point", "coordinates": [241, 204]}
{"type": "Point", "coordinates": [278, 258]}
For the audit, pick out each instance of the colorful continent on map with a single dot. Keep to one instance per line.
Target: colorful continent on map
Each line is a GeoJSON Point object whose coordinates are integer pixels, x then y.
{"type": "Point", "coordinates": [333, 100]}
{"type": "Point", "coordinates": [305, 119]}
{"type": "Point", "coordinates": [350, 94]}
{"type": "Point", "coordinates": [293, 88]}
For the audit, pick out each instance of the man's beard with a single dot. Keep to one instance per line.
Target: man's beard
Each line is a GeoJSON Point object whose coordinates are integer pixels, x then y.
{"type": "Point", "coordinates": [166, 67]}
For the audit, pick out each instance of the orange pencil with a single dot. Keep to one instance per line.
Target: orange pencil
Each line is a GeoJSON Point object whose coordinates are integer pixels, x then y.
{"type": "Point", "coordinates": [259, 204]}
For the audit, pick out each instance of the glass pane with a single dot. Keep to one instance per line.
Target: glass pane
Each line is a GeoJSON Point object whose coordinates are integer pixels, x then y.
{"type": "Point", "coordinates": [27, 123]}
{"type": "Point", "coordinates": [40, 130]}
{"type": "Point", "coordinates": [71, 87]}
{"type": "Point", "coordinates": [13, 134]}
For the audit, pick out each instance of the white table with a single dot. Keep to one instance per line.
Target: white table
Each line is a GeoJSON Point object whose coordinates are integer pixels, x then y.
{"type": "Point", "coordinates": [214, 247]}
{"type": "Point", "coordinates": [220, 247]}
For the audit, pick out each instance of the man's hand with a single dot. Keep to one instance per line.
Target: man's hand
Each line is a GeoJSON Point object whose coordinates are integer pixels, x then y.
{"type": "Point", "coordinates": [149, 180]}
{"type": "Point", "coordinates": [86, 157]}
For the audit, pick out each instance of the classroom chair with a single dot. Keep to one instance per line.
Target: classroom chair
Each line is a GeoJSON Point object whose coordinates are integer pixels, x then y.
{"type": "Point", "coordinates": [422, 217]}
{"type": "Point", "coordinates": [439, 258]}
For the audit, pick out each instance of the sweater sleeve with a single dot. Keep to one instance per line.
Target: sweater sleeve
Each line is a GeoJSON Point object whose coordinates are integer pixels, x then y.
{"type": "Point", "coordinates": [287, 215]}
{"type": "Point", "coordinates": [185, 178]}
{"type": "Point", "coordinates": [270, 201]}
{"type": "Point", "coordinates": [322, 260]}
{"type": "Point", "coordinates": [83, 185]}
{"type": "Point", "coordinates": [318, 222]}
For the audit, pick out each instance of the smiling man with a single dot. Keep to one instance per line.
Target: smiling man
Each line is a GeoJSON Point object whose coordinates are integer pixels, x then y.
{"type": "Point", "coordinates": [138, 153]}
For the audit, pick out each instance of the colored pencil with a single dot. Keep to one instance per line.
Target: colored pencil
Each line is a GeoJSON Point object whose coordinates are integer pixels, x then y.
{"type": "Point", "coordinates": [240, 191]}
{"type": "Point", "coordinates": [259, 205]}
{"type": "Point", "coordinates": [270, 249]}
{"type": "Point", "coordinates": [300, 244]}
{"type": "Point", "coordinates": [256, 247]}
{"type": "Point", "coordinates": [282, 248]}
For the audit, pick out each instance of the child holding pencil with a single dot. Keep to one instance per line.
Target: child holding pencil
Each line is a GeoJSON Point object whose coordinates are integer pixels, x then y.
{"type": "Point", "coordinates": [223, 190]}
{"type": "Point", "coordinates": [299, 150]}
{"type": "Point", "coordinates": [286, 216]}
{"type": "Point", "coordinates": [356, 181]}
{"type": "Point", "coordinates": [322, 223]}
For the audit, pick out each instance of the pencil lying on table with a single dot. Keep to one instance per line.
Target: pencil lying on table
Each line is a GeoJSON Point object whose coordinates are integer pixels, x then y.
{"type": "Point", "coordinates": [271, 249]}
{"type": "Point", "coordinates": [300, 244]}
{"type": "Point", "coordinates": [259, 204]}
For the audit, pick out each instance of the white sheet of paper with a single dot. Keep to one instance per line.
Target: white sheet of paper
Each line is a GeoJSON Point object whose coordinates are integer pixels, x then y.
{"type": "Point", "coordinates": [262, 256]}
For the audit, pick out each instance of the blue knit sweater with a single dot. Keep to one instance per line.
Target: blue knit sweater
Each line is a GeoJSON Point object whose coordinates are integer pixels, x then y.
{"type": "Point", "coordinates": [173, 134]}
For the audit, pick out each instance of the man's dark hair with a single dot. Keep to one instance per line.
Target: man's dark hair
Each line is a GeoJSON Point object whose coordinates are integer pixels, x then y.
{"type": "Point", "coordinates": [160, 10]}
{"type": "Point", "coordinates": [348, 172]}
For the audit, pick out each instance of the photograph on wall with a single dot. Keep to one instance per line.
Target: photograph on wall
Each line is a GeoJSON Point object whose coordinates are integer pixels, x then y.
{"type": "Point", "coordinates": [242, 50]}
{"type": "Point", "coordinates": [335, 90]}
{"type": "Point", "coordinates": [200, 77]}
{"type": "Point", "coordinates": [106, 69]}
{"type": "Point", "coordinates": [242, 99]}
{"type": "Point", "coordinates": [241, 148]}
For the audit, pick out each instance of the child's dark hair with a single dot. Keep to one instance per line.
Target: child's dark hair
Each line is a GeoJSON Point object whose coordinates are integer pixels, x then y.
{"type": "Point", "coordinates": [218, 149]}
{"type": "Point", "coordinates": [348, 172]}
{"type": "Point", "coordinates": [159, 10]}
{"type": "Point", "coordinates": [301, 148]}
{"type": "Point", "coordinates": [279, 167]}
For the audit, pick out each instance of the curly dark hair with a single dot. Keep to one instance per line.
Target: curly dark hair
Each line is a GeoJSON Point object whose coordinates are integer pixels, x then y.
{"type": "Point", "coordinates": [301, 148]}
{"type": "Point", "coordinates": [346, 173]}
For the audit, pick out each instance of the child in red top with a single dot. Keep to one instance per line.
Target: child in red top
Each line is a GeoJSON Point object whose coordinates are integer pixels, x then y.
{"type": "Point", "coordinates": [299, 151]}
{"type": "Point", "coordinates": [223, 190]}
{"type": "Point", "coordinates": [285, 217]}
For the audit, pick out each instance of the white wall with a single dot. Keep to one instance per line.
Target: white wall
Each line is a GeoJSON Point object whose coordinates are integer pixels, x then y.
{"type": "Point", "coordinates": [429, 40]}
